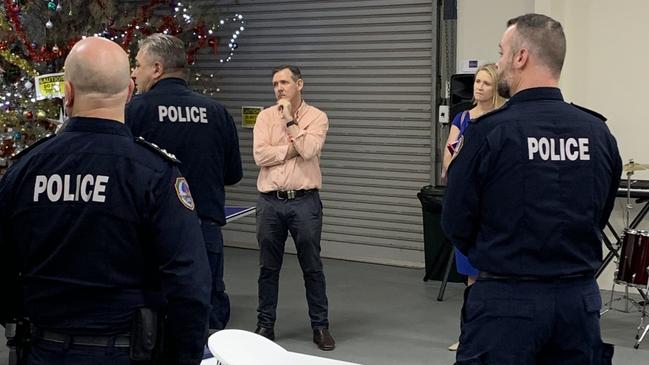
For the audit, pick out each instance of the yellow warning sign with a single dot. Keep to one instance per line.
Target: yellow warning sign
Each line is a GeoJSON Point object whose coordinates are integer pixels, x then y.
{"type": "Point", "coordinates": [249, 115]}
{"type": "Point", "coordinates": [49, 86]}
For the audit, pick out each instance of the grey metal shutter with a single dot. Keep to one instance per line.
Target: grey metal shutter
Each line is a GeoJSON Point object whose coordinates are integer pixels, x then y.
{"type": "Point", "coordinates": [369, 64]}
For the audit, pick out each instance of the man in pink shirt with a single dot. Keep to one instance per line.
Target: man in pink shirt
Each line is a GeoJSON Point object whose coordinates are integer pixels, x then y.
{"type": "Point", "coordinates": [288, 139]}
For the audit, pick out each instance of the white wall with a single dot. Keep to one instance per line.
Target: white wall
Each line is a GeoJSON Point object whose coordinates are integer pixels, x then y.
{"type": "Point", "coordinates": [607, 61]}
{"type": "Point", "coordinates": [481, 23]}
{"type": "Point", "coordinates": [605, 69]}
{"type": "Point", "coordinates": [606, 65]}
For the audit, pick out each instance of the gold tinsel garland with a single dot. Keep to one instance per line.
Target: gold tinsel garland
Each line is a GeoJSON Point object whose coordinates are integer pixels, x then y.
{"type": "Point", "coordinates": [18, 61]}
{"type": "Point", "coordinates": [42, 109]}
{"type": "Point", "coordinates": [12, 58]}
{"type": "Point", "coordinates": [4, 23]}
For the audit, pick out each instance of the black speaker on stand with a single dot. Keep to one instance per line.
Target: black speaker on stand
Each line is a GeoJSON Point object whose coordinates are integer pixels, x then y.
{"type": "Point", "coordinates": [461, 97]}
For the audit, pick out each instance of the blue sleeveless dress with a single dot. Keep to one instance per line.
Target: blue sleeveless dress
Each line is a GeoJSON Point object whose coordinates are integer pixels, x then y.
{"type": "Point", "coordinates": [464, 267]}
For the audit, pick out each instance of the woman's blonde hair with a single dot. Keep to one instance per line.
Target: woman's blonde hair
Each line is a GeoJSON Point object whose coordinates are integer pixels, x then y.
{"type": "Point", "coordinates": [490, 68]}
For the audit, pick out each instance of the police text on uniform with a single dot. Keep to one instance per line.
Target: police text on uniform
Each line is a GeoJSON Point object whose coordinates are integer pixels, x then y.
{"type": "Point", "coordinates": [87, 188]}
{"type": "Point", "coordinates": [182, 114]}
{"type": "Point", "coordinates": [558, 149]}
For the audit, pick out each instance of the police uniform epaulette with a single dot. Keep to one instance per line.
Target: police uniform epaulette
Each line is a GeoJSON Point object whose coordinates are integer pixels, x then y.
{"type": "Point", "coordinates": [154, 147]}
{"type": "Point", "coordinates": [591, 112]}
{"type": "Point", "coordinates": [492, 112]}
{"type": "Point", "coordinates": [31, 146]}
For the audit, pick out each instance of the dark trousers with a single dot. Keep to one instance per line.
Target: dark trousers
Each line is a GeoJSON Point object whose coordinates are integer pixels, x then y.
{"type": "Point", "coordinates": [530, 323]}
{"type": "Point", "coordinates": [50, 353]}
{"type": "Point", "coordinates": [220, 313]}
{"type": "Point", "coordinates": [302, 217]}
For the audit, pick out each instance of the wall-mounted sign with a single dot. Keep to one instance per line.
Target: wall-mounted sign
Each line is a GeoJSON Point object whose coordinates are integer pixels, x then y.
{"type": "Point", "coordinates": [49, 86]}
{"type": "Point", "coordinates": [249, 115]}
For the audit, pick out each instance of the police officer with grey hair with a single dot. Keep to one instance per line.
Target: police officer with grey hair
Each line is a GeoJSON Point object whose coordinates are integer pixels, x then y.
{"type": "Point", "coordinates": [528, 196]}
{"type": "Point", "coordinates": [101, 243]}
{"type": "Point", "coordinates": [200, 132]}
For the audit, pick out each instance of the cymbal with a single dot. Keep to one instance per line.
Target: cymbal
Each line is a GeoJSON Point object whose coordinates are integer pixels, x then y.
{"type": "Point", "coordinates": [634, 166]}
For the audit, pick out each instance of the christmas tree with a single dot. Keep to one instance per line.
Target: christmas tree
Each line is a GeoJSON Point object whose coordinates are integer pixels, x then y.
{"type": "Point", "coordinates": [36, 36]}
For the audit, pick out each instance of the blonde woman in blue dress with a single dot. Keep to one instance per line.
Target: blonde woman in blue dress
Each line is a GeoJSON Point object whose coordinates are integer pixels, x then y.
{"type": "Point", "coordinates": [486, 99]}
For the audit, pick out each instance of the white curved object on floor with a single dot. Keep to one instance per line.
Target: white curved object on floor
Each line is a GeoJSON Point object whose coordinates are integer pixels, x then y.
{"type": "Point", "coordinates": [238, 347]}
{"type": "Point", "coordinates": [210, 361]}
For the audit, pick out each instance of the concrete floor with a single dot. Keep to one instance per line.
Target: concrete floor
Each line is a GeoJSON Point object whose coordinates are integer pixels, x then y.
{"type": "Point", "coordinates": [380, 315]}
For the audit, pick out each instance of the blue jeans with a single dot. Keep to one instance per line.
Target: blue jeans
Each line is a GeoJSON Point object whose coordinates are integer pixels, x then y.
{"type": "Point", "coordinates": [220, 314]}
{"type": "Point", "coordinates": [302, 217]}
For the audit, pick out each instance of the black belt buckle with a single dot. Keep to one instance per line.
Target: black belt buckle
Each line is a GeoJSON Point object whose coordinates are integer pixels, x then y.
{"type": "Point", "coordinates": [288, 194]}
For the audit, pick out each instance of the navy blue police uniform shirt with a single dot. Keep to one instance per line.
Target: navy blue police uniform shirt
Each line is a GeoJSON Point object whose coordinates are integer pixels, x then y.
{"type": "Point", "coordinates": [96, 224]}
{"type": "Point", "coordinates": [196, 129]}
{"type": "Point", "coordinates": [532, 188]}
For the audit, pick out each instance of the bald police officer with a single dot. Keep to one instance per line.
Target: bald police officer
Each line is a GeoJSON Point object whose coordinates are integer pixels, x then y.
{"type": "Point", "coordinates": [527, 198]}
{"type": "Point", "coordinates": [96, 225]}
{"type": "Point", "coordinates": [200, 132]}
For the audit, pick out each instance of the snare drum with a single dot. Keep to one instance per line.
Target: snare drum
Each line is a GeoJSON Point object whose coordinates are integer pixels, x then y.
{"type": "Point", "coordinates": [634, 258]}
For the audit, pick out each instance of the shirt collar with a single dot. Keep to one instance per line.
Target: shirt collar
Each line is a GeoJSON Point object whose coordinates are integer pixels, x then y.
{"type": "Point", "coordinates": [302, 108]}
{"type": "Point", "coordinates": [97, 125]}
{"type": "Point", "coordinates": [536, 93]}
{"type": "Point", "coordinates": [169, 81]}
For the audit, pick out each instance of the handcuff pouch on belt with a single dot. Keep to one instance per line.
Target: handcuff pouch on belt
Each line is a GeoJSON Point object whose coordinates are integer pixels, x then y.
{"type": "Point", "coordinates": [18, 333]}
{"type": "Point", "coordinates": [146, 335]}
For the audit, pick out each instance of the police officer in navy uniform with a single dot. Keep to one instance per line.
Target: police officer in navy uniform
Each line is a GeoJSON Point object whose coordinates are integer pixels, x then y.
{"type": "Point", "coordinates": [528, 196]}
{"type": "Point", "coordinates": [200, 132]}
{"type": "Point", "coordinates": [96, 225]}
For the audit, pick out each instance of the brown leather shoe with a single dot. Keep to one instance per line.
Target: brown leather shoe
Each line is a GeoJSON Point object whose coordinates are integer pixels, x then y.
{"type": "Point", "coordinates": [323, 339]}
{"type": "Point", "coordinates": [269, 333]}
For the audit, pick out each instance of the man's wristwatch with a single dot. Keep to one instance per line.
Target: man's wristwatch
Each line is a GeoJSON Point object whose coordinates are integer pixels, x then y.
{"type": "Point", "coordinates": [288, 124]}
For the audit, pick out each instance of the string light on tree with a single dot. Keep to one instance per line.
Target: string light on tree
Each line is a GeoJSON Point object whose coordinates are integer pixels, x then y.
{"type": "Point", "coordinates": [26, 53]}
{"type": "Point", "coordinates": [234, 26]}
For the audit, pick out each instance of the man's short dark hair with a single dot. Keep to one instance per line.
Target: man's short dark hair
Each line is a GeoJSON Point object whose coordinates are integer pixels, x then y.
{"type": "Point", "coordinates": [294, 70]}
{"type": "Point", "coordinates": [543, 37]}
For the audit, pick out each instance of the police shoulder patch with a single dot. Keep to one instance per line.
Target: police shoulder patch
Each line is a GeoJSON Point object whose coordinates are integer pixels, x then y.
{"type": "Point", "coordinates": [183, 193]}
{"type": "Point", "coordinates": [591, 112]}
{"type": "Point", "coordinates": [154, 147]}
{"type": "Point", "coordinates": [30, 147]}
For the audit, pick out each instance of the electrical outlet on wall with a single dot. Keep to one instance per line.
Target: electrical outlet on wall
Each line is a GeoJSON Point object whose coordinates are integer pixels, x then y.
{"type": "Point", "coordinates": [443, 114]}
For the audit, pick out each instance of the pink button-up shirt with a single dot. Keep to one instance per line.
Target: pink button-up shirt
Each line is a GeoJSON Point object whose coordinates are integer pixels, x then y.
{"type": "Point", "coordinates": [270, 146]}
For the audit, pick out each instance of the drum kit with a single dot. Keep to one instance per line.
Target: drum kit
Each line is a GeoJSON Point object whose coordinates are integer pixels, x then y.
{"type": "Point", "coordinates": [633, 262]}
